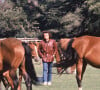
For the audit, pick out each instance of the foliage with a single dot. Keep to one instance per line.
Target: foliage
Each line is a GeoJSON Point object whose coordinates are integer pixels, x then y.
{"type": "Point", "coordinates": [72, 17]}
{"type": "Point", "coordinates": [14, 21]}
{"type": "Point", "coordinates": [65, 18]}
{"type": "Point", "coordinates": [94, 14]}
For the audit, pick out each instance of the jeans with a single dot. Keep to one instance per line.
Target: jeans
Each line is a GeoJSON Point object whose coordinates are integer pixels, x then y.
{"type": "Point", "coordinates": [47, 71]}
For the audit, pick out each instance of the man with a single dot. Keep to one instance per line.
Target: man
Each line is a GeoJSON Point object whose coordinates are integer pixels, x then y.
{"type": "Point", "coordinates": [47, 51]}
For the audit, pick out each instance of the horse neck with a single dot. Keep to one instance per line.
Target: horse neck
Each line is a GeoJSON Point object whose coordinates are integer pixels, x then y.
{"type": "Point", "coordinates": [34, 47]}
{"type": "Point", "coordinates": [36, 51]}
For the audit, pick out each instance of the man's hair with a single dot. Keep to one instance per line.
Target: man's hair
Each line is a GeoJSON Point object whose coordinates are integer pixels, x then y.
{"type": "Point", "coordinates": [50, 35]}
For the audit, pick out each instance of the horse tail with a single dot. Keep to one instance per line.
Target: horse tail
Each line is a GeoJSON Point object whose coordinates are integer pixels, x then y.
{"type": "Point", "coordinates": [29, 66]}
{"type": "Point", "coordinates": [71, 56]}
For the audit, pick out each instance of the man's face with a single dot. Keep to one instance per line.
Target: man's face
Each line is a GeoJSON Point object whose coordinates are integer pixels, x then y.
{"type": "Point", "coordinates": [46, 36]}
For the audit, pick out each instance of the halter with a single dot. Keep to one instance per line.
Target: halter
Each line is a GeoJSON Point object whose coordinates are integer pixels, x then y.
{"type": "Point", "coordinates": [62, 52]}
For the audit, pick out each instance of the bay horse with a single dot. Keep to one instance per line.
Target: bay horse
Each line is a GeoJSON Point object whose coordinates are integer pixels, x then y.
{"type": "Point", "coordinates": [34, 50]}
{"type": "Point", "coordinates": [28, 66]}
{"type": "Point", "coordinates": [80, 51]}
{"type": "Point", "coordinates": [69, 70]}
{"type": "Point", "coordinates": [13, 54]}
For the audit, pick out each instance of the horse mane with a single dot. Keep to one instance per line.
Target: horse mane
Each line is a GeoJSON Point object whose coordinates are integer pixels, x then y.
{"type": "Point", "coordinates": [28, 64]}
{"type": "Point", "coordinates": [71, 57]}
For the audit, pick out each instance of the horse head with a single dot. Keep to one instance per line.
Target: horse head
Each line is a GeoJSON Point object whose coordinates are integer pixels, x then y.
{"type": "Point", "coordinates": [67, 55]}
{"type": "Point", "coordinates": [34, 50]}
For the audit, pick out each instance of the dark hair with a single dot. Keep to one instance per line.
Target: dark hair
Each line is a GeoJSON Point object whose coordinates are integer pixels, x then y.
{"type": "Point", "coordinates": [50, 35]}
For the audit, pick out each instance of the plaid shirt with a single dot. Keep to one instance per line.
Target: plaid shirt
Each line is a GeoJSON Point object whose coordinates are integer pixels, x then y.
{"type": "Point", "coordinates": [47, 50]}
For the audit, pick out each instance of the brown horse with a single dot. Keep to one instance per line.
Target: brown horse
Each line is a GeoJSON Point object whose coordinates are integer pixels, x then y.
{"type": "Point", "coordinates": [80, 51]}
{"type": "Point", "coordinates": [28, 66]}
{"type": "Point", "coordinates": [69, 70]}
{"type": "Point", "coordinates": [34, 50]}
{"type": "Point", "coordinates": [12, 56]}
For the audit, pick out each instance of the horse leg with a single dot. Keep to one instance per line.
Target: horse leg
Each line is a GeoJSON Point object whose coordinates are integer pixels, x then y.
{"type": "Point", "coordinates": [25, 76]}
{"type": "Point", "coordinates": [13, 75]}
{"type": "Point", "coordinates": [8, 80]}
{"type": "Point", "coordinates": [27, 80]}
{"type": "Point", "coordinates": [5, 83]}
{"type": "Point", "coordinates": [79, 67]}
{"type": "Point", "coordinates": [20, 80]}
{"type": "Point", "coordinates": [84, 67]}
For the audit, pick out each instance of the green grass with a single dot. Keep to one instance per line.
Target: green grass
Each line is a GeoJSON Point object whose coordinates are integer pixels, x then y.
{"type": "Point", "coordinates": [91, 80]}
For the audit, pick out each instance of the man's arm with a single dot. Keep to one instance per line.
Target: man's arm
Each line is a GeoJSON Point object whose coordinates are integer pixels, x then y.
{"type": "Point", "coordinates": [39, 50]}
{"type": "Point", "coordinates": [55, 47]}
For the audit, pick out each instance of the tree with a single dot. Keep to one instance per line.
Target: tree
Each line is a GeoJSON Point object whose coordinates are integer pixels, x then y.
{"type": "Point", "coordinates": [65, 18]}
{"type": "Point", "coordinates": [14, 21]}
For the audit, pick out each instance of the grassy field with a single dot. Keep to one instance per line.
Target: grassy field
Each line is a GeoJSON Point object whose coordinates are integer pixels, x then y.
{"type": "Point", "coordinates": [91, 80]}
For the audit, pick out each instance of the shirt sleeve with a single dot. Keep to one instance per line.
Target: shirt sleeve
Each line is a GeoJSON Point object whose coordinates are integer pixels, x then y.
{"type": "Point", "coordinates": [55, 47]}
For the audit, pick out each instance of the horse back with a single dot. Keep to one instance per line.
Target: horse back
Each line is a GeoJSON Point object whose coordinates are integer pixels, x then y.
{"type": "Point", "coordinates": [88, 47]}
{"type": "Point", "coordinates": [11, 51]}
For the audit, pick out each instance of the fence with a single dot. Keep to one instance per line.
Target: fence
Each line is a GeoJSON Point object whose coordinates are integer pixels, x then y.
{"type": "Point", "coordinates": [26, 39]}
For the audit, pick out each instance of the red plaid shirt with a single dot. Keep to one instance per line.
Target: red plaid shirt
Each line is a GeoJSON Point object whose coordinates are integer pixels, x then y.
{"type": "Point", "coordinates": [47, 50]}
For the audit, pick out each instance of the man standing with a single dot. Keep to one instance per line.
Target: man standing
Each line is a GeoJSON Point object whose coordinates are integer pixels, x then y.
{"type": "Point", "coordinates": [47, 51]}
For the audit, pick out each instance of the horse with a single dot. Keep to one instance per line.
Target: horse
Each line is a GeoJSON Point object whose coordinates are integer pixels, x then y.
{"type": "Point", "coordinates": [69, 70]}
{"type": "Point", "coordinates": [11, 51]}
{"type": "Point", "coordinates": [13, 54]}
{"type": "Point", "coordinates": [34, 50]}
{"type": "Point", "coordinates": [29, 66]}
{"type": "Point", "coordinates": [80, 51]}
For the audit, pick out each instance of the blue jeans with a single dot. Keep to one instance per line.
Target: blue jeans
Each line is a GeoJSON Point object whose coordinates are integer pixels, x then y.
{"type": "Point", "coordinates": [47, 71]}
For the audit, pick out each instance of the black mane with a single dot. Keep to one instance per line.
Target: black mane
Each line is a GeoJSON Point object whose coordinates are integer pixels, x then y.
{"type": "Point", "coordinates": [70, 55]}
{"type": "Point", "coordinates": [29, 66]}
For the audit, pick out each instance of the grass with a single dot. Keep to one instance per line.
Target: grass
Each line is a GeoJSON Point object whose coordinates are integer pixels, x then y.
{"type": "Point", "coordinates": [91, 80]}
